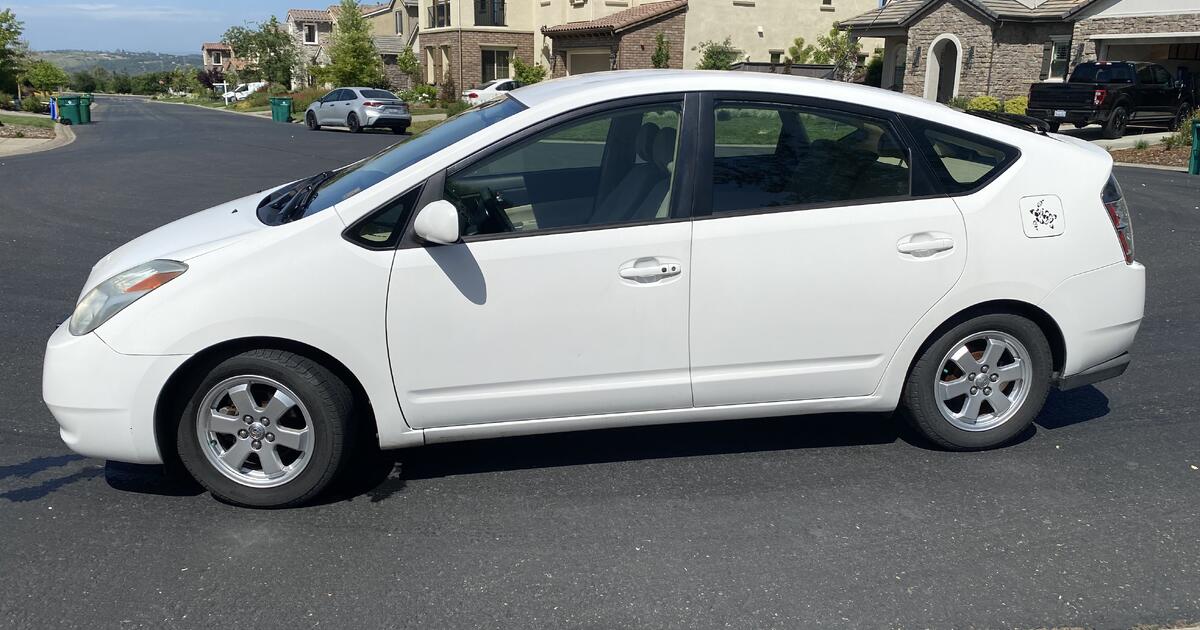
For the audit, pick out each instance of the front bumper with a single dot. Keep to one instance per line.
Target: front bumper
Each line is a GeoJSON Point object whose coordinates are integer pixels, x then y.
{"type": "Point", "coordinates": [104, 401]}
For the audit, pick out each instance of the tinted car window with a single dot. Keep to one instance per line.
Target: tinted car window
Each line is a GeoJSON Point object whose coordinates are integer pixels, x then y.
{"type": "Point", "coordinates": [963, 162]}
{"type": "Point", "coordinates": [1145, 75]}
{"type": "Point", "coordinates": [1102, 73]}
{"type": "Point", "coordinates": [769, 155]}
{"type": "Point", "coordinates": [1161, 75]}
{"type": "Point", "coordinates": [361, 175]}
{"type": "Point", "coordinates": [378, 94]}
{"type": "Point", "coordinates": [610, 168]}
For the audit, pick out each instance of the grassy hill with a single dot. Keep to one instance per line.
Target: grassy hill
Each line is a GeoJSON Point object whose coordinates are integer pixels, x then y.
{"type": "Point", "coordinates": [118, 60]}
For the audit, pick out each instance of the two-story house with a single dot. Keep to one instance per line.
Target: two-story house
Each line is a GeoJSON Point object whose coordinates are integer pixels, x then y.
{"type": "Point", "coordinates": [394, 27]}
{"type": "Point", "coordinates": [474, 41]}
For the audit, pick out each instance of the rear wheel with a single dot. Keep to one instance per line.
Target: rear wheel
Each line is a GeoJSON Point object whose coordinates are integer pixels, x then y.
{"type": "Point", "coordinates": [981, 383]}
{"type": "Point", "coordinates": [352, 123]}
{"type": "Point", "coordinates": [1117, 122]}
{"type": "Point", "coordinates": [266, 428]}
{"type": "Point", "coordinates": [399, 131]}
{"type": "Point", "coordinates": [310, 119]}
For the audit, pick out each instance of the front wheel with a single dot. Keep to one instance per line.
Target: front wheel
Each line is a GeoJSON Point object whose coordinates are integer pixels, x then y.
{"type": "Point", "coordinates": [353, 124]}
{"type": "Point", "coordinates": [1054, 126]}
{"type": "Point", "coordinates": [979, 384]}
{"type": "Point", "coordinates": [266, 428]}
{"type": "Point", "coordinates": [310, 119]}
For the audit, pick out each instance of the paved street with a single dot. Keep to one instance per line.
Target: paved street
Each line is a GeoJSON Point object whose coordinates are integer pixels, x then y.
{"type": "Point", "coordinates": [1092, 519]}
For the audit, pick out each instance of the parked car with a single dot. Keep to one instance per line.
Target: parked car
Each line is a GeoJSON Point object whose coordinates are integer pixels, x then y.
{"type": "Point", "coordinates": [1114, 94]}
{"type": "Point", "coordinates": [358, 108]}
{"type": "Point", "coordinates": [489, 91]}
{"type": "Point", "coordinates": [623, 249]}
{"type": "Point", "coordinates": [243, 91]}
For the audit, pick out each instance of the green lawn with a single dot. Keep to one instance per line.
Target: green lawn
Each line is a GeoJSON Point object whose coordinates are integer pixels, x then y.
{"type": "Point", "coordinates": [28, 121]}
{"type": "Point", "coordinates": [421, 111]}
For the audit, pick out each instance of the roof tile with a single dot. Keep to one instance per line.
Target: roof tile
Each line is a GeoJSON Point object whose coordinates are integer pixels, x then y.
{"type": "Point", "coordinates": [618, 21]}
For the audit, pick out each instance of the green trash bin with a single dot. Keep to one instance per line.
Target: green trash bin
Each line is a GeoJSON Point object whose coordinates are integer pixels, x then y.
{"type": "Point", "coordinates": [1194, 167]}
{"type": "Point", "coordinates": [68, 109]}
{"type": "Point", "coordinates": [281, 108]}
{"type": "Point", "coordinates": [85, 108]}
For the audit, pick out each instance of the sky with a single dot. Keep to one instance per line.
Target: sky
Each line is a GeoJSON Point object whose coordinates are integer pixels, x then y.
{"type": "Point", "coordinates": [167, 26]}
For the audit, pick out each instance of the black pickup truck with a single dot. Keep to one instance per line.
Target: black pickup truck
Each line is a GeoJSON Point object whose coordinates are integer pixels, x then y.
{"type": "Point", "coordinates": [1114, 94]}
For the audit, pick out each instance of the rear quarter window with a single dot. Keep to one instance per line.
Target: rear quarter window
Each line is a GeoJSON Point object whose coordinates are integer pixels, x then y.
{"type": "Point", "coordinates": [962, 162]}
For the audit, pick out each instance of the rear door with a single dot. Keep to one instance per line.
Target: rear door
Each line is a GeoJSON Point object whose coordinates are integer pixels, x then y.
{"type": "Point", "coordinates": [822, 246]}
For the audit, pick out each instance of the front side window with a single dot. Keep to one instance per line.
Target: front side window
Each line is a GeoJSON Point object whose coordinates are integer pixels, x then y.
{"type": "Point", "coordinates": [770, 155]}
{"type": "Point", "coordinates": [495, 65]}
{"type": "Point", "coordinates": [963, 162]}
{"type": "Point", "coordinates": [611, 168]}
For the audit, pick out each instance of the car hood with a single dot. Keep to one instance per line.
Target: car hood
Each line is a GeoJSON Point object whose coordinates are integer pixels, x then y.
{"type": "Point", "coordinates": [191, 236]}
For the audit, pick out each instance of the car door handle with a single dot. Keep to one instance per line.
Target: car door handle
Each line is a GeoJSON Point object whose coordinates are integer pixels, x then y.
{"type": "Point", "coordinates": [931, 246]}
{"type": "Point", "coordinates": [650, 269]}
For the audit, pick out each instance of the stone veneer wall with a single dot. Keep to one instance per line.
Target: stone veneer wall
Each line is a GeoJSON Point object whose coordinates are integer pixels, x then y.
{"type": "Point", "coordinates": [971, 29]}
{"type": "Point", "coordinates": [1017, 60]}
{"type": "Point", "coordinates": [634, 47]}
{"type": "Point", "coordinates": [1183, 22]}
{"type": "Point", "coordinates": [466, 52]}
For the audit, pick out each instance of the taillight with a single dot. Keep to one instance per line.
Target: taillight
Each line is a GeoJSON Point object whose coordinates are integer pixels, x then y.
{"type": "Point", "coordinates": [472, 95]}
{"type": "Point", "coordinates": [1118, 213]}
{"type": "Point", "coordinates": [1098, 97]}
{"type": "Point", "coordinates": [372, 104]}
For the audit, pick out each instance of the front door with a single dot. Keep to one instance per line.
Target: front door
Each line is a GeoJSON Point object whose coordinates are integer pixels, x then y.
{"type": "Point", "coordinates": [815, 260]}
{"type": "Point", "coordinates": [327, 111]}
{"type": "Point", "coordinates": [569, 293]}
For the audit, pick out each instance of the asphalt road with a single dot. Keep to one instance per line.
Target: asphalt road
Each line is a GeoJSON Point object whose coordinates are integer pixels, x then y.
{"type": "Point", "coordinates": [1092, 519]}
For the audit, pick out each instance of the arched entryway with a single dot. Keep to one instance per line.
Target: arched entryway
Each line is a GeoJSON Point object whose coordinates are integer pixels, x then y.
{"type": "Point", "coordinates": [943, 68]}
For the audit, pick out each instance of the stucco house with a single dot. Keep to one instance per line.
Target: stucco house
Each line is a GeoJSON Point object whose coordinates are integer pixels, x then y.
{"type": "Point", "coordinates": [476, 40]}
{"type": "Point", "coordinates": [940, 49]}
{"type": "Point", "coordinates": [394, 28]}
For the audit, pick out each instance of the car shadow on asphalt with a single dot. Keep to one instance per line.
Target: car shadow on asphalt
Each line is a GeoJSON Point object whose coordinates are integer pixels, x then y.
{"type": "Point", "coordinates": [1064, 409]}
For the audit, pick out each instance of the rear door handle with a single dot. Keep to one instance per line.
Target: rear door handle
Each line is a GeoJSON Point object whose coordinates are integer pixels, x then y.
{"type": "Point", "coordinates": [926, 248]}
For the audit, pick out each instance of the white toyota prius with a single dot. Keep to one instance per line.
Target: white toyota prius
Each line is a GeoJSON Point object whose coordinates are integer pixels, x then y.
{"type": "Point", "coordinates": [621, 248]}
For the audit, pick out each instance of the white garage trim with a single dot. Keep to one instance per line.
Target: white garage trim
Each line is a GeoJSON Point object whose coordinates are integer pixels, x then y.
{"type": "Point", "coordinates": [1182, 37]}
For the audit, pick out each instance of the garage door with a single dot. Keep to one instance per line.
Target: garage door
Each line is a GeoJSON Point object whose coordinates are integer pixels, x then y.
{"type": "Point", "coordinates": [581, 63]}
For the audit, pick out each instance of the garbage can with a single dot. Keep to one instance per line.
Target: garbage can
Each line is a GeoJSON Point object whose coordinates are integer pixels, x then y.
{"type": "Point", "coordinates": [1194, 167]}
{"type": "Point", "coordinates": [281, 108]}
{"type": "Point", "coordinates": [68, 109]}
{"type": "Point", "coordinates": [85, 108]}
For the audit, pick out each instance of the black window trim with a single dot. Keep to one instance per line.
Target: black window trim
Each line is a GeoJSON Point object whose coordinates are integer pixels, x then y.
{"type": "Point", "coordinates": [1012, 153]}
{"type": "Point", "coordinates": [920, 176]}
{"type": "Point", "coordinates": [401, 225]}
{"type": "Point", "coordinates": [681, 193]}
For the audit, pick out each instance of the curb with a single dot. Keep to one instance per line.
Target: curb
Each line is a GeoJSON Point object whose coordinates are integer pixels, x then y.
{"type": "Point", "coordinates": [1155, 167]}
{"type": "Point", "coordinates": [261, 115]}
{"type": "Point", "coordinates": [63, 135]}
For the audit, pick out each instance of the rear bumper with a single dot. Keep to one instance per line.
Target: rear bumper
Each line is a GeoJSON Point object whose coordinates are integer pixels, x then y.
{"type": "Point", "coordinates": [1073, 116]}
{"type": "Point", "coordinates": [1099, 314]}
{"type": "Point", "coordinates": [382, 119]}
{"type": "Point", "coordinates": [1111, 368]}
{"type": "Point", "coordinates": [104, 401]}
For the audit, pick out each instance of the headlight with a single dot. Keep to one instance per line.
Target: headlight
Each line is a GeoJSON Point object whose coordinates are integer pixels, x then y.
{"type": "Point", "coordinates": [119, 291]}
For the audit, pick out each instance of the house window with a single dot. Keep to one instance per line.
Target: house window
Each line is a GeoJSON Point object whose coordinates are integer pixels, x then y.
{"type": "Point", "coordinates": [399, 23]}
{"type": "Point", "coordinates": [495, 65]}
{"type": "Point", "coordinates": [439, 14]}
{"type": "Point", "coordinates": [310, 33]}
{"type": "Point", "coordinates": [1060, 58]}
{"type": "Point", "coordinates": [489, 12]}
{"type": "Point", "coordinates": [216, 58]}
{"type": "Point", "coordinates": [776, 56]}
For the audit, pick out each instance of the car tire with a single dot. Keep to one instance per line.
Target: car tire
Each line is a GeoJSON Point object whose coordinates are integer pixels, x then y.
{"type": "Point", "coordinates": [283, 451]}
{"type": "Point", "coordinates": [352, 123]}
{"type": "Point", "coordinates": [399, 131]}
{"type": "Point", "coordinates": [1054, 127]}
{"type": "Point", "coordinates": [961, 403]}
{"type": "Point", "coordinates": [1117, 122]}
{"type": "Point", "coordinates": [310, 119]}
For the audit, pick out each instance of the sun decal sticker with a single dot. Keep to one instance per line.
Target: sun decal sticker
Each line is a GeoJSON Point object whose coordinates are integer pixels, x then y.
{"type": "Point", "coordinates": [1042, 215]}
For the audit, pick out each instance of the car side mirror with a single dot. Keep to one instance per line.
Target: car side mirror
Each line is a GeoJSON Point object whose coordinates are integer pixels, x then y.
{"type": "Point", "coordinates": [438, 223]}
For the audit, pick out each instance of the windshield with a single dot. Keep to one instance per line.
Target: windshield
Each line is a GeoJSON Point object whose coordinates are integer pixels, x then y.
{"type": "Point", "coordinates": [1102, 73]}
{"type": "Point", "coordinates": [378, 94]}
{"type": "Point", "coordinates": [357, 177]}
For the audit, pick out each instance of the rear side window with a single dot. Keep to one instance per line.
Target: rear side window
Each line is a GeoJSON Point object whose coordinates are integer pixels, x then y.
{"type": "Point", "coordinates": [962, 162]}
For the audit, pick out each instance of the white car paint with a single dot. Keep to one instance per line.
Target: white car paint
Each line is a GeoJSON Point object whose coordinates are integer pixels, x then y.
{"type": "Point", "coordinates": [770, 315]}
{"type": "Point", "coordinates": [489, 91]}
{"type": "Point", "coordinates": [243, 91]}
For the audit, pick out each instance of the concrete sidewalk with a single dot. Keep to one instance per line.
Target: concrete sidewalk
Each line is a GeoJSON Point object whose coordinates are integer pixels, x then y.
{"type": "Point", "coordinates": [1095, 135]}
{"type": "Point", "coordinates": [63, 136]}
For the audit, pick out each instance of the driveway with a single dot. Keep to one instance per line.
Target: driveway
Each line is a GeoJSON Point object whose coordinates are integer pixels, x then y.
{"type": "Point", "coordinates": [1092, 519]}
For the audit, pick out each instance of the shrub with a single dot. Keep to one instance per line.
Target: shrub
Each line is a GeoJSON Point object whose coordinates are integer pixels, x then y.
{"type": "Point", "coordinates": [258, 99]}
{"type": "Point", "coordinates": [1183, 134]}
{"type": "Point", "coordinates": [449, 91]}
{"type": "Point", "coordinates": [421, 93]}
{"type": "Point", "coordinates": [959, 102]}
{"type": "Point", "coordinates": [33, 104]}
{"type": "Point", "coordinates": [528, 74]}
{"type": "Point", "coordinates": [302, 99]}
{"type": "Point", "coordinates": [6, 101]}
{"type": "Point", "coordinates": [456, 107]}
{"type": "Point", "coordinates": [987, 103]}
{"type": "Point", "coordinates": [1016, 105]}
{"type": "Point", "coordinates": [1141, 145]}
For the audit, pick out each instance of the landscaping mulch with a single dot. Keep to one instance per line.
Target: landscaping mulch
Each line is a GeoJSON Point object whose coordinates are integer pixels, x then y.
{"type": "Point", "coordinates": [1156, 155]}
{"type": "Point", "coordinates": [24, 131]}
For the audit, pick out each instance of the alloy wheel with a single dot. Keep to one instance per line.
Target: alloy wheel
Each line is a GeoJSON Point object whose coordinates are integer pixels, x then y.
{"type": "Point", "coordinates": [983, 381]}
{"type": "Point", "coordinates": [255, 431]}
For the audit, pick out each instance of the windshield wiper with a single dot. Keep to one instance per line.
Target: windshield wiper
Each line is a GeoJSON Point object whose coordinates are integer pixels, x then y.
{"type": "Point", "coordinates": [299, 201]}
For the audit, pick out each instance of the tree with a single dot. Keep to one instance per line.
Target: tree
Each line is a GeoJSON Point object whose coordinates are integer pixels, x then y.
{"type": "Point", "coordinates": [83, 81]}
{"type": "Point", "coordinates": [12, 50]}
{"type": "Point", "coordinates": [528, 74]}
{"type": "Point", "coordinates": [407, 62]}
{"type": "Point", "coordinates": [799, 52]}
{"type": "Point", "coordinates": [839, 49]}
{"type": "Point", "coordinates": [874, 76]}
{"type": "Point", "coordinates": [353, 58]}
{"type": "Point", "coordinates": [662, 52]}
{"type": "Point", "coordinates": [44, 76]}
{"type": "Point", "coordinates": [267, 50]}
{"type": "Point", "coordinates": [210, 78]}
{"type": "Point", "coordinates": [717, 55]}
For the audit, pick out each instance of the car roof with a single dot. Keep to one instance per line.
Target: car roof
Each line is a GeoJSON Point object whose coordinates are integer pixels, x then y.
{"type": "Point", "coordinates": [351, 87]}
